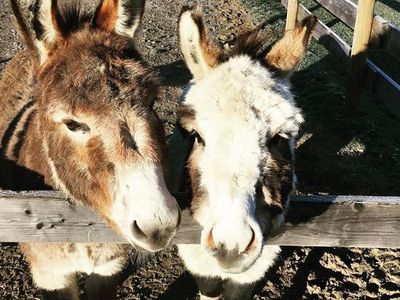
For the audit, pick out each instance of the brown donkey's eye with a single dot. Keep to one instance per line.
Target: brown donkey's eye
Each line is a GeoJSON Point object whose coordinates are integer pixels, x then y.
{"type": "Point", "coordinates": [73, 125]}
{"type": "Point", "coordinates": [127, 138]}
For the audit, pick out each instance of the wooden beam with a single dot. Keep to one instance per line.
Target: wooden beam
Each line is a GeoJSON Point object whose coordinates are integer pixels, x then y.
{"type": "Point", "coordinates": [291, 17]}
{"type": "Point", "coordinates": [47, 216]}
{"type": "Point", "coordinates": [350, 221]}
{"type": "Point", "coordinates": [344, 221]}
{"type": "Point", "coordinates": [362, 33]}
{"type": "Point", "coordinates": [383, 34]}
{"type": "Point", "coordinates": [345, 10]}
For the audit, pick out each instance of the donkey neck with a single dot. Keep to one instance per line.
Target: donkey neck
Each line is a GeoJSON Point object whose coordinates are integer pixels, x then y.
{"type": "Point", "coordinates": [21, 141]}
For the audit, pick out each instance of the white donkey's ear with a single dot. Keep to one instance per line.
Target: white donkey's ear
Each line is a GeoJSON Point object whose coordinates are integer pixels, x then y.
{"type": "Point", "coordinates": [121, 16]}
{"type": "Point", "coordinates": [288, 51]}
{"type": "Point", "coordinates": [199, 54]}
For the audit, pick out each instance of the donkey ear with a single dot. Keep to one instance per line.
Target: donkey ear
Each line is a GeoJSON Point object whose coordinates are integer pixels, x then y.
{"type": "Point", "coordinates": [199, 54]}
{"type": "Point", "coordinates": [287, 52]}
{"type": "Point", "coordinates": [121, 16]}
{"type": "Point", "coordinates": [47, 25]}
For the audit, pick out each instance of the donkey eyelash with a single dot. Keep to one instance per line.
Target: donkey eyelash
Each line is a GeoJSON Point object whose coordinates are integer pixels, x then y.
{"type": "Point", "coordinates": [198, 137]}
{"type": "Point", "coordinates": [74, 126]}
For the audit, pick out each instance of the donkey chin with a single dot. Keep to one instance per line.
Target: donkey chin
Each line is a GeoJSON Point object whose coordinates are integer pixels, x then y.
{"type": "Point", "coordinates": [236, 246]}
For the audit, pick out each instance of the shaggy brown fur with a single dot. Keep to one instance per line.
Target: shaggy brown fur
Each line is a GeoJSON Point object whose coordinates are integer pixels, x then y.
{"type": "Point", "coordinates": [95, 74]}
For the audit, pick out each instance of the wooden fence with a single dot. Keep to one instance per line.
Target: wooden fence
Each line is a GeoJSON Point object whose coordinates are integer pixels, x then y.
{"type": "Point", "coordinates": [343, 221]}
{"type": "Point", "coordinates": [368, 29]}
{"type": "Point", "coordinates": [335, 221]}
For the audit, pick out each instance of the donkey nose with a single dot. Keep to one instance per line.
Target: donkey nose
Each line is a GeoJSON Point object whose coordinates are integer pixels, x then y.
{"type": "Point", "coordinates": [154, 238]}
{"type": "Point", "coordinates": [230, 246]}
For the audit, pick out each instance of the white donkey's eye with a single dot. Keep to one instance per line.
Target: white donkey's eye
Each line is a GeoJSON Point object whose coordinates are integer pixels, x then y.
{"type": "Point", "coordinates": [198, 138]}
{"type": "Point", "coordinates": [74, 126]}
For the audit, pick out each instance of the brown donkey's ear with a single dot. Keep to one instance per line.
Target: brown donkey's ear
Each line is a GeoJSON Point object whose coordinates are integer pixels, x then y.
{"type": "Point", "coordinates": [287, 52]}
{"type": "Point", "coordinates": [199, 54]}
{"type": "Point", "coordinates": [41, 32]}
{"type": "Point", "coordinates": [52, 25]}
{"type": "Point", "coordinates": [121, 16]}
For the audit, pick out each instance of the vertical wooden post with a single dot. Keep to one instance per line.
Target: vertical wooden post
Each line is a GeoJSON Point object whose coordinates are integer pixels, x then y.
{"type": "Point", "coordinates": [291, 14]}
{"type": "Point", "coordinates": [362, 32]}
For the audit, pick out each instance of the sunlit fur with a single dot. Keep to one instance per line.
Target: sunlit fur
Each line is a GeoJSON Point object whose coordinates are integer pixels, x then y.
{"type": "Point", "coordinates": [82, 119]}
{"type": "Point", "coordinates": [242, 113]}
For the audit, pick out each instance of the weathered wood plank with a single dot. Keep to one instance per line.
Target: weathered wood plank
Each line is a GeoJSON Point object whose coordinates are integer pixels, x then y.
{"type": "Point", "coordinates": [39, 216]}
{"type": "Point", "coordinates": [342, 224]}
{"type": "Point", "coordinates": [383, 34]}
{"type": "Point", "coordinates": [351, 221]}
{"type": "Point", "coordinates": [362, 33]}
{"type": "Point", "coordinates": [292, 8]}
{"type": "Point", "coordinates": [345, 10]}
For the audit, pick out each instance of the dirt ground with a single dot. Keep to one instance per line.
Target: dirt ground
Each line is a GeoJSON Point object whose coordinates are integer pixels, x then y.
{"type": "Point", "coordinates": [332, 159]}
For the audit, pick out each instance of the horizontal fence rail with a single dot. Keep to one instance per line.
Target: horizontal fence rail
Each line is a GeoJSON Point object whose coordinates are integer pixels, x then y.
{"type": "Point", "coordinates": [383, 34]}
{"type": "Point", "coordinates": [340, 221]}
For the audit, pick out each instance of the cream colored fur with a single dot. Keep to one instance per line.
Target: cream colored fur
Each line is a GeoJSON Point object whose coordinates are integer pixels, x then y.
{"type": "Point", "coordinates": [200, 263]}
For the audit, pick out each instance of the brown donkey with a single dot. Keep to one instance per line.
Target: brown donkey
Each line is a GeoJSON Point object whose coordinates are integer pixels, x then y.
{"type": "Point", "coordinates": [243, 118]}
{"type": "Point", "coordinates": [77, 110]}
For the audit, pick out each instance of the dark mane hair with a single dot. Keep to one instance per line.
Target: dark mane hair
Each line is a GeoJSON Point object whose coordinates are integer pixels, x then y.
{"type": "Point", "coordinates": [254, 43]}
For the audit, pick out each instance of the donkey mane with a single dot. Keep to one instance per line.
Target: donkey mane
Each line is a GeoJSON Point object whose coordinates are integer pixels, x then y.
{"type": "Point", "coordinates": [253, 43]}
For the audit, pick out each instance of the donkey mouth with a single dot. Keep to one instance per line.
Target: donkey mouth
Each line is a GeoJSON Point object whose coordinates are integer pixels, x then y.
{"type": "Point", "coordinates": [240, 266]}
{"type": "Point", "coordinates": [151, 247]}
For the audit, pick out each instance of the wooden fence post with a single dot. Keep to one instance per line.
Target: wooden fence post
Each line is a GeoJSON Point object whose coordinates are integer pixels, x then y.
{"type": "Point", "coordinates": [362, 32]}
{"type": "Point", "coordinates": [291, 14]}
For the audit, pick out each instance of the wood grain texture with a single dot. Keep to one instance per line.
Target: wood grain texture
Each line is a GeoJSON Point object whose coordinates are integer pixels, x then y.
{"type": "Point", "coordinates": [292, 9]}
{"type": "Point", "coordinates": [362, 33]}
{"type": "Point", "coordinates": [383, 34]}
{"type": "Point", "coordinates": [345, 10]}
{"type": "Point", "coordinates": [348, 221]}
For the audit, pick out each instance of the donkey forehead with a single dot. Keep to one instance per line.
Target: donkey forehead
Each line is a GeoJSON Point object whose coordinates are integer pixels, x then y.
{"type": "Point", "coordinates": [114, 83]}
{"type": "Point", "coordinates": [238, 96]}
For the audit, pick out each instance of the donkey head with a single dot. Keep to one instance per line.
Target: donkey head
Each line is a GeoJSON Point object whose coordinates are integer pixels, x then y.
{"type": "Point", "coordinates": [101, 137]}
{"type": "Point", "coordinates": [243, 117]}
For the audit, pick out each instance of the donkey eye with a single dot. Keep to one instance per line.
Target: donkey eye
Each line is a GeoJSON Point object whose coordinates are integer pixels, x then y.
{"type": "Point", "coordinates": [198, 137]}
{"type": "Point", "coordinates": [73, 125]}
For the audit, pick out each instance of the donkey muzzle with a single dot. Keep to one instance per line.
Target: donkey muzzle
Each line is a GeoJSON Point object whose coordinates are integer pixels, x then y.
{"type": "Point", "coordinates": [234, 246]}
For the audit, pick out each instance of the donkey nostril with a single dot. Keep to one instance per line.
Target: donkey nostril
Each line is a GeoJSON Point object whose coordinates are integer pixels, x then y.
{"type": "Point", "coordinates": [137, 231]}
{"type": "Point", "coordinates": [210, 241]}
{"type": "Point", "coordinates": [252, 243]}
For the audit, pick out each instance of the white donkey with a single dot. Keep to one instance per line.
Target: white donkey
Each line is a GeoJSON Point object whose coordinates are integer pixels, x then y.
{"type": "Point", "coordinates": [242, 114]}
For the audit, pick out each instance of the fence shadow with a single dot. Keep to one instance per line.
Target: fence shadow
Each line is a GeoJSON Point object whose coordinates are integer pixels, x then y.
{"type": "Point", "coordinates": [18, 178]}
